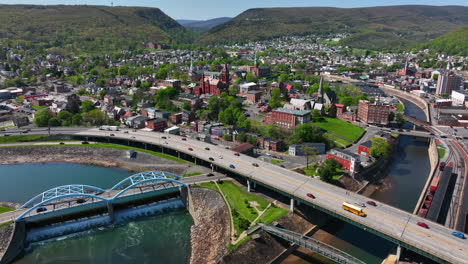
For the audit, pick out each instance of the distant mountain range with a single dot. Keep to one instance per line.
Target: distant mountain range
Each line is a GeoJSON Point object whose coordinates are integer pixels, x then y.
{"type": "Point", "coordinates": [81, 28]}
{"type": "Point", "coordinates": [389, 27]}
{"type": "Point", "coordinates": [202, 26]}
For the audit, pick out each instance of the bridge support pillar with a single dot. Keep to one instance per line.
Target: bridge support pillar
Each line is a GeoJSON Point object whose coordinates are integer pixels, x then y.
{"type": "Point", "coordinates": [291, 205]}
{"type": "Point", "coordinates": [248, 185]}
{"type": "Point", "coordinates": [110, 211]}
{"type": "Point", "coordinates": [255, 185]}
{"type": "Point", "coordinates": [178, 154]}
{"type": "Point", "coordinates": [398, 254]}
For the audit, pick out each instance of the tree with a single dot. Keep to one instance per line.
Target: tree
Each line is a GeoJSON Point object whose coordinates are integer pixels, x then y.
{"type": "Point", "coordinates": [81, 92]}
{"type": "Point", "coordinates": [186, 106]}
{"type": "Point", "coordinates": [380, 148]}
{"type": "Point", "coordinates": [332, 111]}
{"type": "Point", "coordinates": [54, 122]}
{"type": "Point", "coordinates": [306, 133]}
{"type": "Point", "coordinates": [41, 118]}
{"type": "Point", "coordinates": [87, 105]}
{"type": "Point", "coordinates": [64, 115]}
{"type": "Point", "coordinates": [102, 93]}
{"type": "Point", "coordinates": [275, 100]}
{"type": "Point", "coordinates": [391, 116]}
{"type": "Point", "coordinates": [95, 117]}
{"type": "Point", "coordinates": [316, 116]}
{"type": "Point", "coordinates": [232, 91]}
{"type": "Point", "coordinates": [77, 119]}
{"type": "Point", "coordinates": [100, 82]}
{"type": "Point", "coordinates": [328, 170]}
{"type": "Point", "coordinates": [250, 77]}
{"type": "Point", "coordinates": [309, 153]}
{"type": "Point", "coordinates": [283, 77]}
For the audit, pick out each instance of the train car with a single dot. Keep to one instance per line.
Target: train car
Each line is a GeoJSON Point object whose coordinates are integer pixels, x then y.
{"type": "Point", "coordinates": [353, 209]}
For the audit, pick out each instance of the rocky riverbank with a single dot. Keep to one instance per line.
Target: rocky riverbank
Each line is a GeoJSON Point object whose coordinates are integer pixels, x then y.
{"type": "Point", "coordinates": [6, 231]}
{"type": "Point", "coordinates": [210, 235]}
{"type": "Point", "coordinates": [105, 157]}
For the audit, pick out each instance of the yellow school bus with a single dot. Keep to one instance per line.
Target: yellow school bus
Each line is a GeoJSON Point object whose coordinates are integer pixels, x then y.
{"type": "Point", "coordinates": [353, 209]}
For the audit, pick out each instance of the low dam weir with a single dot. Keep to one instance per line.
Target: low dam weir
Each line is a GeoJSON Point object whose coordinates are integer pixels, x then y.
{"type": "Point", "coordinates": [38, 234]}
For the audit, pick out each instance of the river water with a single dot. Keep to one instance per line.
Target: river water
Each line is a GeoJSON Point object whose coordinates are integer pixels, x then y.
{"type": "Point", "coordinates": [402, 187]}
{"type": "Point", "coordinates": [162, 239]}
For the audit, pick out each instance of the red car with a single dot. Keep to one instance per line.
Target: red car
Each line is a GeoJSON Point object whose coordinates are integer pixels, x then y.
{"type": "Point", "coordinates": [237, 154]}
{"type": "Point", "coordinates": [184, 139]}
{"type": "Point", "coordinates": [310, 196]}
{"type": "Point", "coordinates": [371, 203]}
{"type": "Point", "coordinates": [191, 149]}
{"type": "Point", "coordinates": [421, 224]}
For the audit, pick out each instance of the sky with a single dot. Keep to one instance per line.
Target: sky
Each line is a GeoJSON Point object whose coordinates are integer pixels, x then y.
{"type": "Point", "coordinates": [207, 9]}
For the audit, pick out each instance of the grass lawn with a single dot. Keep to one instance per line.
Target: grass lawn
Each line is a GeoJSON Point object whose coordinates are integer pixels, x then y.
{"type": "Point", "coordinates": [441, 152]}
{"type": "Point", "coordinates": [340, 128]}
{"type": "Point", "coordinates": [338, 141]}
{"type": "Point", "coordinates": [37, 108]}
{"type": "Point", "coordinates": [236, 197]}
{"type": "Point", "coordinates": [310, 170]}
{"type": "Point", "coordinates": [24, 138]}
{"type": "Point", "coordinates": [192, 174]}
{"type": "Point", "coordinates": [273, 213]}
{"type": "Point", "coordinates": [5, 209]}
{"type": "Point", "coordinates": [276, 161]}
{"type": "Point", "coordinates": [400, 107]}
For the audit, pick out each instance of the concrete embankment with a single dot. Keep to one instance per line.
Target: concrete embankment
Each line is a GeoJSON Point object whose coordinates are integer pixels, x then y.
{"type": "Point", "coordinates": [434, 161]}
{"type": "Point", "coordinates": [421, 103]}
{"type": "Point", "coordinates": [15, 242]}
{"type": "Point", "coordinates": [211, 232]}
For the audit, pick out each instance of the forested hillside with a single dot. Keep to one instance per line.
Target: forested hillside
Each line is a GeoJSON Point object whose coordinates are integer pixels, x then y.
{"type": "Point", "coordinates": [453, 43]}
{"type": "Point", "coordinates": [389, 27]}
{"type": "Point", "coordinates": [89, 28]}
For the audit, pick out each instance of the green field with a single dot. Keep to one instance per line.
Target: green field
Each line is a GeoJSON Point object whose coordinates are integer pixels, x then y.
{"type": "Point", "coordinates": [341, 128]}
{"type": "Point", "coordinates": [238, 201]}
{"type": "Point", "coordinates": [441, 152]}
{"type": "Point", "coordinates": [191, 174]}
{"type": "Point", "coordinates": [5, 209]}
{"type": "Point", "coordinates": [276, 161]}
{"type": "Point", "coordinates": [24, 138]}
{"type": "Point", "coordinates": [338, 141]}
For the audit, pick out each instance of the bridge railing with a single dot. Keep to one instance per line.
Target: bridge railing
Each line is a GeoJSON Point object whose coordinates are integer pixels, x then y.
{"type": "Point", "coordinates": [313, 244]}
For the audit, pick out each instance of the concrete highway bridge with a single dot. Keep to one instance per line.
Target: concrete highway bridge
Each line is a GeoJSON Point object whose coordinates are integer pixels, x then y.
{"type": "Point", "coordinates": [393, 224]}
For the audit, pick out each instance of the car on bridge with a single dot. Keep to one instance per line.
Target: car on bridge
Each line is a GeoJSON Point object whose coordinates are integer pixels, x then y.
{"type": "Point", "coordinates": [207, 148]}
{"type": "Point", "coordinates": [112, 135]}
{"type": "Point", "coordinates": [360, 204]}
{"type": "Point", "coordinates": [371, 203]}
{"type": "Point", "coordinates": [184, 139]}
{"type": "Point", "coordinates": [458, 234]}
{"type": "Point", "coordinates": [41, 209]}
{"type": "Point", "coordinates": [255, 164]}
{"type": "Point", "coordinates": [232, 166]}
{"type": "Point", "coordinates": [237, 154]}
{"type": "Point", "coordinates": [164, 137]}
{"type": "Point", "coordinates": [80, 201]}
{"type": "Point", "coordinates": [421, 224]}
{"type": "Point", "coordinates": [211, 158]}
{"type": "Point", "coordinates": [310, 195]}
{"type": "Point", "coordinates": [191, 149]}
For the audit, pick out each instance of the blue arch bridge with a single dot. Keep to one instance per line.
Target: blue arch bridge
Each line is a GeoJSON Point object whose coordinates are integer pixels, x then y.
{"type": "Point", "coordinates": [77, 198]}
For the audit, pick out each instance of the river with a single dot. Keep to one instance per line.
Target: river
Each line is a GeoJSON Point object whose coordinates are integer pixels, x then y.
{"type": "Point", "coordinates": [402, 187]}
{"type": "Point", "coordinates": [162, 239]}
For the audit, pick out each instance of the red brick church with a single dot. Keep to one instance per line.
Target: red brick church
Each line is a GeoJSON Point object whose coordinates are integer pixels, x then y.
{"type": "Point", "coordinates": [213, 82]}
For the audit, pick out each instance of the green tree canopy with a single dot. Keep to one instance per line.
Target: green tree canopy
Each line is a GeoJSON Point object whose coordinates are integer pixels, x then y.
{"type": "Point", "coordinates": [87, 105]}
{"type": "Point", "coordinates": [41, 118]}
{"type": "Point", "coordinates": [380, 148]}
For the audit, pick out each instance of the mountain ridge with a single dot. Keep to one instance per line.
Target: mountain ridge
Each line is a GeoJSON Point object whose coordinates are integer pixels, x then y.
{"type": "Point", "coordinates": [392, 26]}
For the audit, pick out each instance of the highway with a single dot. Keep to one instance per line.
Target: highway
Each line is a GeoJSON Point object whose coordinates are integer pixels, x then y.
{"type": "Point", "coordinates": [391, 221]}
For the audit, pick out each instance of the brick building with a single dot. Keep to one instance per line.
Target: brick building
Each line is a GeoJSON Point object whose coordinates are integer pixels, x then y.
{"type": "Point", "coordinates": [287, 118]}
{"type": "Point", "coordinates": [364, 149]}
{"type": "Point", "coordinates": [213, 82]}
{"type": "Point", "coordinates": [157, 124]}
{"type": "Point", "coordinates": [373, 113]}
{"type": "Point", "coordinates": [448, 82]}
{"type": "Point", "coordinates": [343, 115]}
{"type": "Point", "coordinates": [348, 160]}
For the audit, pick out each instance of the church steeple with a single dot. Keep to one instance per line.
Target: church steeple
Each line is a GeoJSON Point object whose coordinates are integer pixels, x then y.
{"type": "Point", "coordinates": [255, 60]}
{"type": "Point", "coordinates": [320, 90]}
{"type": "Point", "coordinates": [191, 65]}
